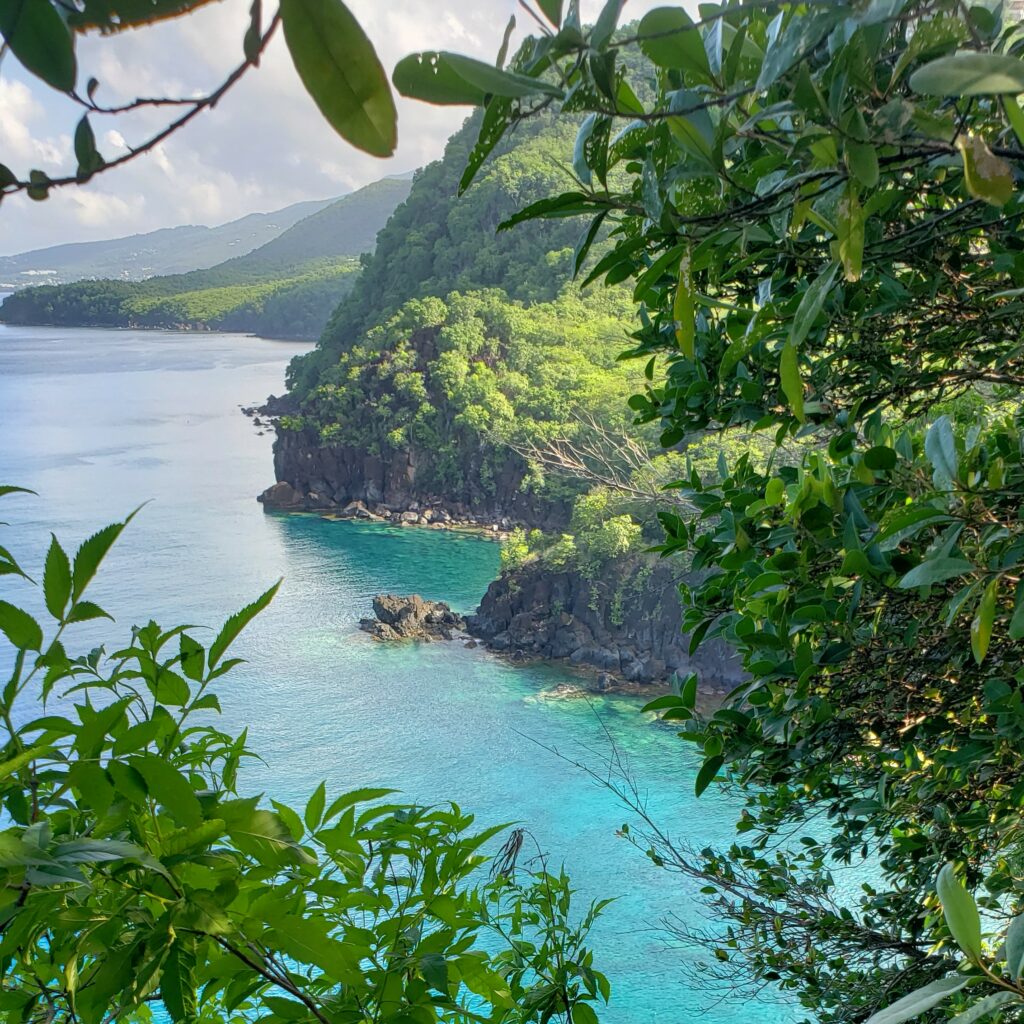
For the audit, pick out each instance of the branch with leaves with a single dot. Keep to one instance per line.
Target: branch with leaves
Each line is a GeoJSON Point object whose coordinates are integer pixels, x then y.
{"type": "Point", "coordinates": [331, 53]}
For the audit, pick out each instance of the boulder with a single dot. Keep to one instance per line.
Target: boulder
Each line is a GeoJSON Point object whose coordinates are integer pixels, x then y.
{"type": "Point", "coordinates": [411, 618]}
{"type": "Point", "coordinates": [356, 510]}
{"type": "Point", "coordinates": [282, 496]}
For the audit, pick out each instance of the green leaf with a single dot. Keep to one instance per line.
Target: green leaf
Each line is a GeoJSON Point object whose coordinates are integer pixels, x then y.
{"type": "Point", "coordinates": [811, 304]}
{"type": "Point", "coordinates": [177, 982]}
{"type": "Point", "coordinates": [607, 20]}
{"type": "Point", "coordinates": [569, 204]}
{"type": "Point", "coordinates": [92, 552]}
{"type": "Point", "coordinates": [6, 489]}
{"type": "Point", "coordinates": [355, 796]}
{"type": "Point", "coordinates": [38, 37]}
{"type": "Point", "coordinates": [981, 624]}
{"type": "Point", "coordinates": [16, 763]}
{"type": "Point", "coordinates": [961, 913]}
{"type": "Point", "coordinates": [315, 808]}
{"type": "Point", "coordinates": [56, 579]}
{"type": "Point", "coordinates": [234, 625]}
{"type": "Point", "coordinates": [881, 458]}
{"type": "Point", "coordinates": [688, 691]}
{"type": "Point", "coordinates": [1015, 948]}
{"type": "Point", "coordinates": [920, 1000]}
{"type": "Point", "coordinates": [708, 770]}
{"type": "Point", "coordinates": [254, 33]}
{"type": "Point", "coordinates": [987, 176]}
{"type": "Point", "coordinates": [850, 224]}
{"type": "Point", "coordinates": [94, 785]}
{"type": "Point", "coordinates": [775, 491]}
{"type": "Point", "coordinates": [669, 38]}
{"type": "Point", "coordinates": [497, 117]}
{"type": "Point", "coordinates": [451, 79]}
{"type": "Point", "coordinates": [583, 1013]}
{"type": "Point", "coordinates": [340, 70]}
{"type": "Point", "coordinates": [906, 524]}
{"type": "Point", "coordinates": [683, 311]}
{"type": "Point", "coordinates": [552, 11]}
{"type": "Point", "coordinates": [983, 1007]}
{"type": "Point", "coordinates": [1015, 115]}
{"type": "Point", "coordinates": [796, 39]}
{"type": "Point", "coordinates": [940, 447]}
{"type": "Point", "coordinates": [970, 73]}
{"type": "Point", "coordinates": [935, 570]}
{"type": "Point", "coordinates": [83, 611]}
{"type": "Point", "coordinates": [88, 157]}
{"type": "Point", "coordinates": [169, 787]}
{"type": "Point", "coordinates": [789, 377]}
{"type": "Point", "coordinates": [668, 700]}
{"type": "Point", "coordinates": [862, 160]}
{"type": "Point", "coordinates": [193, 658]}
{"type": "Point", "coordinates": [20, 628]}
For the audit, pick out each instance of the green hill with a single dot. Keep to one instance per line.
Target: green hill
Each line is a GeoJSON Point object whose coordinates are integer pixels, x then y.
{"type": "Point", "coordinates": [285, 288]}
{"type": "Point", "coordinates": [457, 341]}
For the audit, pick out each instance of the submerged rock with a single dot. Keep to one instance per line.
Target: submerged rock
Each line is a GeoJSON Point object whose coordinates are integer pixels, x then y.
{"type": "Point", "coordinates": [411, 618]}
{"type": "Point", "coordinates": [563, 691]}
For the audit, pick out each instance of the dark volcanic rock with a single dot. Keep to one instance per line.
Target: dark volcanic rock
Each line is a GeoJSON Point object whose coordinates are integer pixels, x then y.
{"type": "Point", "coordinates": [331, 477]}
{"type": "Point", "coordinates": [626, 622]}
{"type": "Point", "coordinates": [283, 497]}
{"type": "Point", "coordinates": [411, 618]}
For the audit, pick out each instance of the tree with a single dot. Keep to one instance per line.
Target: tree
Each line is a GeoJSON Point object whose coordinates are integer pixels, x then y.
{"type": "Point", "coordinates": [137, 868]}
{"type": "Point", "coordinates": [331, 53]}
{"type": "Point", "coordinates": [818, 207]}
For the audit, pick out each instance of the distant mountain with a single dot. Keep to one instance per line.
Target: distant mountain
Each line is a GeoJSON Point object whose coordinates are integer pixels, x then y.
{"type": "Point", "coordinates": [167, 251]}
{"type": "Point", "coordinates": [286, 288]}
{"type": "Point", "coordinates": [347, 227]}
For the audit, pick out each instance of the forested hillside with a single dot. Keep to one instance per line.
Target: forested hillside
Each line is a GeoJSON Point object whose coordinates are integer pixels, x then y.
{"type": "Point", "coordinates": [285, 288]}
{"type": "Point", "coordinates": [465, 340]}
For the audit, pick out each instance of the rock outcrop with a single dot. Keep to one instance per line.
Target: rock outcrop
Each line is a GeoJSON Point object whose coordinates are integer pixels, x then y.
{"type": "Point", "coordinates": [626, 622]}
{"type": "Point", "coordinates": [327, 478]}
{"type": "Point", "coordinates": [411, 618]}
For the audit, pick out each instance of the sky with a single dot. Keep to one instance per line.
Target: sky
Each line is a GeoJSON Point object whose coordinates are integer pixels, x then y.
{"type": "Point", "coordinates": [263, 147]}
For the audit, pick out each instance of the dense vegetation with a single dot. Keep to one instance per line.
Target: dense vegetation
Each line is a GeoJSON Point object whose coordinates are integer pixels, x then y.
{"type": "Point", "coordinates": [820, 213]}
{"type": "Point", "coordinates": [286, 288]}
{"type": "Point", "coordinates": [465, 341]}
{"type": "Point", "coordinates": [437, 243]}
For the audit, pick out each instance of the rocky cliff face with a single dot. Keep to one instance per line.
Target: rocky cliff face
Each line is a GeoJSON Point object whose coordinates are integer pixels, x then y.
{"type": "Point", "coordinates": [313, 477]}
{"type": "Point", "coordinates": [626, 621]}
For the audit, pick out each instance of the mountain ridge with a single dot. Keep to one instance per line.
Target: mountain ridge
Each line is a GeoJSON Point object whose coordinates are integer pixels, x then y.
{"type": "Point", "coordinates": [177, 249]}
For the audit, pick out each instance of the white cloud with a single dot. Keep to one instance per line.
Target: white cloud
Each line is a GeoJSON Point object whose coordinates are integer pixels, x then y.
{"type": "Point", "coordinates": [264, 146]}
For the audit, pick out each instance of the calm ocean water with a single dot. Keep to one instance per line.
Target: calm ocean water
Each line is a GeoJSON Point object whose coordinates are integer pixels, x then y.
{"type": "Point", "coordinates": [99, 421]}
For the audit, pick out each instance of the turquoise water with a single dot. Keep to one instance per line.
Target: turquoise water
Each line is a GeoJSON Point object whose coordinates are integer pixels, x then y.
{"type": "Point", "coordinates": [99, 421]}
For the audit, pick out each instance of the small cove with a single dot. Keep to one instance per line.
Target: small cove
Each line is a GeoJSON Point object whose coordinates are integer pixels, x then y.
{"type": "Point", "coordinates": [99, 421]}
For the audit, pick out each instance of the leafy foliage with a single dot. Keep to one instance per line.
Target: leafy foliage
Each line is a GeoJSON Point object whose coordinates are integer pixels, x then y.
{"type": "Point", "coordinates": [332, 54]}
{"type": "Point", "coordinates": [137, 868]}
{"type": "Point", "coordinates": [455, 381]}
{"type": "Point", "coordinates": [818, 207]}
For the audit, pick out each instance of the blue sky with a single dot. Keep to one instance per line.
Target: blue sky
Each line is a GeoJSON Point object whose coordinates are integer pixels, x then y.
{"type": "Point", "coordinates": [263, 147]}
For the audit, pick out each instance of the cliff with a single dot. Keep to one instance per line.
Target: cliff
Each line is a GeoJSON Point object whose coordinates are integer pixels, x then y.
{"type": "Point", "coordinates": [625, 621]}
{"type": "Point", "coordinates": [316, 477]}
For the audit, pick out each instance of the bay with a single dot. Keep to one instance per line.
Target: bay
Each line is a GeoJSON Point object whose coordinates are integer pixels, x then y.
{"type": "Point", "coordinates": [98, 422]}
